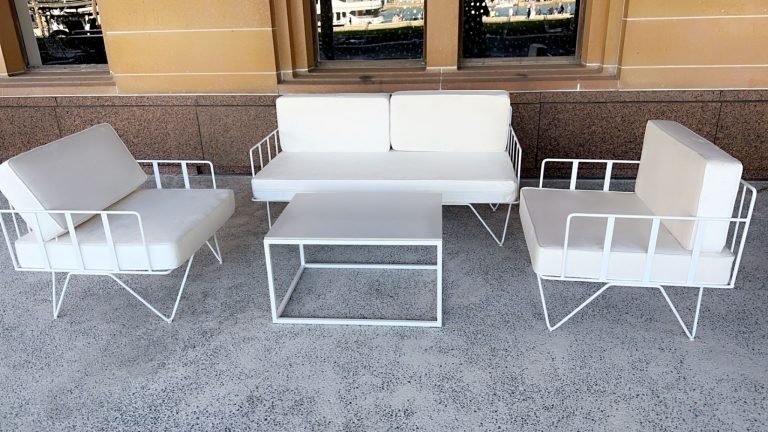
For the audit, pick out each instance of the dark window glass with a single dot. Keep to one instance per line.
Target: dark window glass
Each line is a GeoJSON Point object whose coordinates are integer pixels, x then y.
{"type": "Point", "coordinates": [506, 28]}
{"type": "Point", "coordinates": [67, 32]}
{"type": "Point", "coordinates": [370, 29]}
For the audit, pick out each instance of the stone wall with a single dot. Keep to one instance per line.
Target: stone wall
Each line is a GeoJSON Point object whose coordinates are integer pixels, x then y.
{"type": "Point", "coordinates": [599, 124]}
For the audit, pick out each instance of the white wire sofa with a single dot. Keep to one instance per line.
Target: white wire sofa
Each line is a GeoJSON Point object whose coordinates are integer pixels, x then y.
{"type": "Point", "coordinates": [684, 225]}
{"type": "Point", "coordinates": [457, 143]}
{"type": "Point", "coordinates": [78, 208]}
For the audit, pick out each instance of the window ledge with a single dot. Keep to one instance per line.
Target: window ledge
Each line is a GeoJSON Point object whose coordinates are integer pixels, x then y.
{"type": "Point", "coordinates": [60, 81]}
{"type": "Point", "coordinates": [522, 77]}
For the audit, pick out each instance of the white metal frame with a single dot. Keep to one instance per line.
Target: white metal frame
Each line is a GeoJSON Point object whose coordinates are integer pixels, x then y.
{"type": "Point", "coordinates": [277, 310]}
{"type": "Point", "coordinates": [513, 149]}
{"type": "Point", "coordinates": [19, 228]}
{"type": "Point", "coordinates": [737, 242]}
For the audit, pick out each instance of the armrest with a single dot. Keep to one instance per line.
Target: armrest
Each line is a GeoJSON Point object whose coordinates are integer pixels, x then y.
{"type": "Point", "coordinates": [33, 225]}
{"type": "Point", "coordinates": [515, 153]}
{"type": "Point", "coordinates": [182, 163]}
{"type": "Point", "coordinates": [272, 138]}
{"type": "Point", "coordinates": [655, 220]}
{"type": "Point", "coordinates": [575, 169]}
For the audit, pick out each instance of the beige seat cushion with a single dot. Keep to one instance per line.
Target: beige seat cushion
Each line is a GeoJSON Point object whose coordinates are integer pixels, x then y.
{"type": "Point", "coordinates": [177, 222]}
{"type": "Point", "coordinates": [543, 213]}
{"type": "Point", "coordinates": [89, 170]}
{"type": "Point", "coordinates": [461, 177]}
{"type": "Point", "coordinates": [683, 174]}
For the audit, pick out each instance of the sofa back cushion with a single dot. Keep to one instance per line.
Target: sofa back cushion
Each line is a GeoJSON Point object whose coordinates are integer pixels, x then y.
{"type": "Point", "coordinates": [334, 123]}
{"type": "Point", "coordinates": [456, 121]}
{"type": "Point", "coordinates": [683, 174]}
{"type": "Point", "coordinates": [89, 170]}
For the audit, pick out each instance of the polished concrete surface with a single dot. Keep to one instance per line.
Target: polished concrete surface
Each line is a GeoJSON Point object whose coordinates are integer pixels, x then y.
{"type": "Point", "coordinates": [623, 363]}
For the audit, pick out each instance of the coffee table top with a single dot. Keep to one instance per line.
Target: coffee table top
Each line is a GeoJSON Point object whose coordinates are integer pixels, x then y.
{"type": "Point", "coordinates": [359, 217]}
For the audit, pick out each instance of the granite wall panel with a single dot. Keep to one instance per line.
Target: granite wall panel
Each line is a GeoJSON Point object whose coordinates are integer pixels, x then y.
{"type": "Point", "coordinates": [742, 131]}
{"type": "Point", "coordinates": [150, 132]}
{"type": "Point", "coordinates": [26, 127]}
{"type": "Point", "coordinates": [229, 131]}
{"type": "Point", "coordinates": [221, 128]}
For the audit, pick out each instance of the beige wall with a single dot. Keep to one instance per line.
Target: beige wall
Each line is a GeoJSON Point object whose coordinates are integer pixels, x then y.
{"type": "Point", "coordinates": [190, 46]}
{"type": "Point", "coordinates": [686, 44]}
{"type": "Point", "coordinates": [236, 46]}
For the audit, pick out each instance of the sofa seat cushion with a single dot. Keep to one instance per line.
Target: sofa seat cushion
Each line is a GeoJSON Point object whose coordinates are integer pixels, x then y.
{"type": "Point", "coordinates": [487, 177]}
{"type": "Point", "coordinates": [543, 213]}
{"type": "Point", "coordinates": [177, 222]}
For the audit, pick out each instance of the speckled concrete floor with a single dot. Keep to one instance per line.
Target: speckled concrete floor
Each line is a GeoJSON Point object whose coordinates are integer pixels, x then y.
{"type": "Point", "coordinates": [622, 364]}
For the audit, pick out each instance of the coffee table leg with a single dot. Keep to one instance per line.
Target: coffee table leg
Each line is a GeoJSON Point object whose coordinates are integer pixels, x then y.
{"type": "Point", "coordinates": [270, 282]}
{"type": "Point", "coordinates": [439, 301]}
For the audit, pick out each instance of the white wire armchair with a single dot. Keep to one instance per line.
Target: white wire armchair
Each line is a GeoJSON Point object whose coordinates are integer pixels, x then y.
{"type": "Point", "coordinates": [624, 239]}
{"type": "Point", "coordinates": [144, 232]}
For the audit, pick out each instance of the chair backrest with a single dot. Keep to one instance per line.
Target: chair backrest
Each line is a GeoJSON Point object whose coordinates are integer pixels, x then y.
{"type": "Point", "coordinates": [334, 123]}
{"type": "Point", "coordinates": [455, 121]}
{"type": "Point", "coordinates": [683, 174]}
{"type": "Point", "coordinates": [89, 170]}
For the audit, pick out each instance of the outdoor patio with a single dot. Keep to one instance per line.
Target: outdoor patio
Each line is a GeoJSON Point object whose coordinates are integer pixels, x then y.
{"type": "Point", "coordinates": [622, 363]}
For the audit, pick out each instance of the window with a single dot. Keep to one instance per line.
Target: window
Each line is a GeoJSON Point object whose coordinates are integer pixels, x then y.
{"type": "Point", "coordinates": [507, 28]}
{"type": "Point", "coordinates": [370, 29]}
{"type": "Point", "coordinates": [59, 32]}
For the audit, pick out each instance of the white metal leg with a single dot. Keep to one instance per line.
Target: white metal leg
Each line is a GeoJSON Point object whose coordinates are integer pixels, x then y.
{"type": "Point", "coordinates": [270, 282]}
{"type": "Point", "coordinates": [168, 319]}
{"type": "Point", "coordinates": [216, 252]}
{"type": "Point", "coordinates": [57, 304]}
{"type": "Point", "coordinates": [504, 230]}
{"type": "Point", "coordinates": [570, 315]}
{"type": "Point", "coordinates": [269, 215]}
{"type": "Point", "coordinates": [690, 333]}
{"type": "Point", "coordinates": [439, 299]}
{"type": "Point", "coordinates": [277, 309]}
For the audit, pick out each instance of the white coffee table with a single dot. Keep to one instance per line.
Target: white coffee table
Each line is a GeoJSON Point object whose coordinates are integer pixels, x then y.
{"type": "Point", "coordinates": [377, 218]}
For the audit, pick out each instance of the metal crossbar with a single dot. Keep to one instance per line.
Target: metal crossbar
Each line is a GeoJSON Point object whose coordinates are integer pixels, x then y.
{"type": "Point", "coordinates": [512, 148]}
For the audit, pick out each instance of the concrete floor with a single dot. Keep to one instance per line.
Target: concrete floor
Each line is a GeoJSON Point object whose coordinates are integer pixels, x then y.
{"type": "Point", "coordinates": [622, 364]}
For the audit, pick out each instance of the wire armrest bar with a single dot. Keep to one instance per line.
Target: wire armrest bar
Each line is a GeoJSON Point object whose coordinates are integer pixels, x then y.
{"type": "Point", "coordinates": [33, 226]}
{"type": "Point", "coordinates": [515, 152]}
{"type": "Point", "coordinates": [271, 140]}
{"type": "Point", "coordinates": [700, 223]}
{"type": "Point", "coordinates": [609, 164]}
{"type": "Point", "coordinates": [184, 172]}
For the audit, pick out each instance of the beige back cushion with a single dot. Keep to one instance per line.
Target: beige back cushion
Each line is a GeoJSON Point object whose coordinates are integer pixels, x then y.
{"type": "Point", "coordinates": [89, 170]}
{"type": "Point", "coordinates": [456, 121]}
{"type": "Point", "coordinates": [334, 122]}
{"type": "Point", "coordinates": [683, 174]}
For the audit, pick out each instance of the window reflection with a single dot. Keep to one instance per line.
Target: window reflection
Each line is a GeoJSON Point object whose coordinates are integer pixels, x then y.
{"type": "Point", "coordinates": [370, 29]}
{"type": "Point", "coordinates": [67, 32]}
{"type": "Point", "coordinates": [512, 28]}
